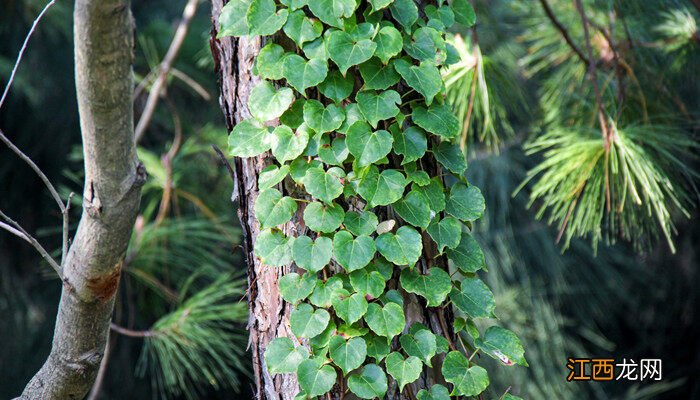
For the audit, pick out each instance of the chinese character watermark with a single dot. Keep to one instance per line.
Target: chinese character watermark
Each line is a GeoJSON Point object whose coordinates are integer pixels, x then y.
{"type": "Point", "coordinates": [606, 369]}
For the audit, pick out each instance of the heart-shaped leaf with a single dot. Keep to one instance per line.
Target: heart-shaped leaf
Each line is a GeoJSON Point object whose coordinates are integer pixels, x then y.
{"type": "Point", "coordinates": [349, 308]}
{"type": "Point", "coordinates": [420, 344]}
{"type": "Point", "coordinates": [381, 189]}
{"type": "Point", "coordinates": [377, 347]}
{"type": "Point", "coordinates": [427, 44]}
{"type": "Point", "coordinates": [414, 209]}
{"type": "Point", "coordinates": [411, 143]}
{"type": "Point", "coordinates": [335, 153]}
{"type": "Point", "coordinates": [467, 381]}
{"type": "Point", "coordinates": [312, 255]}
{"type": "Point", "coordinates": [464, 12]}
{"type": "Point", "coordinates": [272, 175]}
{"type": "Point", "coordinates": [232, 18]}
{"type": "Point", "coordinates": [267, 102]}
{"type": "Point", "coordinates": [336, 86]}
{"type": "Point", "coordinates": [370, 383]}
{"type": "Point", "coordinates": [368, 146]}
{"type": "Point", "coordinates": [377, 107]}
{"type": "Point", "coordinates": [268, 63]}
{"type": "Point", "coordinates": [425, 78]}
{"type": "Point", "coordinates": [367, 283]}
{"type": "Point", "coordinates": [502, 344]}
{"type": "Point", "coordinates": [347, 354]}
{"type": "Point", "coordinates": [403, 370]}
{"type": "Point", "coordinates": [434, 192]}
{"type": "Point", "coordinates": [446, 232]}
{"type": "Point", "coordinates": [434, 286]}
{"type": "Point", "coordinates": [346, 51]}
{"type": "Point", "coordinates": [403, 248]}
{"type": "Point", "coordinates": [387, 321]}
{"type": "Point", "coordinates": [351, 331]}
{"type": "Point", "coordinates": [302, 74]}
{"type": "Point", "coordinates": [378, 76]}
{"type": "Point", "coordinates": [281, 356]}
{"type": "Point", "coordinates": [322, 185]}
{"type": "Point", "coordinates": [379, 4]}
{"type": "Point", "coordinates": [287, 144]}
{"type": "Point", "coordinates": [248, 139]}
{"type": "Point", "coordinates": [437, 119]}
{"type": "Point", "coordinates": [474, 298]}
{"type": "Point", "coordinates": [294, 288]}
{"type": "Point", "coordinates": [389, 43]}
{"type": "Point", "coordinates": [302, 29]}
{"type": "Point", "coordinates": [405, 12]}
{"type": "Point", "coordinates": [271, 209]}
{"type": "Point", "coordinates": [323, 119]}
{"type": "Point", "coordinates": [360, 222]}
{"type": "Point", "coordinates": [353, 253]}
{"type": "Point", "coordinates": [315, 377]}
{"type": "Point", "coordinates": [263, 18]}
{"type": "Point", "coordinates": [451, 157]}
{"type": "Point", "coordinates": [273, 248]}
{"type": "Point", "coordinates": [465, 202]}
{"type": "Point", "coordinates": [325, 292]}
{"type": "Point", "coordinates": [307, 322]}
{"type": "Point", "coordinates": [324, 218]}
{"type": "Point", "coordinates": [331, 11]}
{"type": "Point", "coordinates": [437, 392]}
{"type": "Point", "coordinates": [294, 4]}
{"type": "Point", "coordinates": [467, 256]}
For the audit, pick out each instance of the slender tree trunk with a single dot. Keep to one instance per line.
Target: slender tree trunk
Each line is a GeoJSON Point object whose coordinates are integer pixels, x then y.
{"type": "Point", "coordinates": [269, 314]}
{"type": "Point", "coordinates": [103, 31]}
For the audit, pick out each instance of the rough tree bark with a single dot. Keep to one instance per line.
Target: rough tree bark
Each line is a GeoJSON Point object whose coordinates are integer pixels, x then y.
{"type": "Point", "coordinates": [269, 314]}
{"type": "Point", "coordinates": [103, 31]}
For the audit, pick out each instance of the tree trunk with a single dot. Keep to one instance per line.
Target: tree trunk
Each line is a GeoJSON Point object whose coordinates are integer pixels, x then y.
{"type": "Point", "coordinates": [103, 33]}
{"type": "Point", "coordinates": [269, 314]}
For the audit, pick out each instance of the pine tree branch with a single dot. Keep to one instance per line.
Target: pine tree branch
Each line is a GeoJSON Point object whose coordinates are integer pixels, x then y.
{"type": "Point", "coordinates": [17, 230]}
{"type": "Point", "coordinates": [562, 29]}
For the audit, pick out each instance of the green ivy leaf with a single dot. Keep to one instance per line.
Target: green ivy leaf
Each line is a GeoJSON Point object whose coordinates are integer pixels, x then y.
{"type": "Point", "coordinates": [307, 322]}
{"type": "Point", "coordinates": [268, 63]}
{"type": "Point", "coordinates": [379, 4]}
{"type": "Point", "coordinates": [434, 286]}
{"type": "Point", "coordinates": [351, 331]}
{"type": "Point", "coordinates": [232, 18]}
{"type": "Point", "coordinates": [333, 154]}
{"type": "Point", "coordinates": [467, 381]}
{"type": "Point", "coordinates": [325, 292]}
{"type": "Point", "coordinates": [248, 139]}
{"type": "Point", "coordinates": [312, 255]}
{"type": "Point", "coordinates": [325, 218]}
{"type": "Point", "coordinates": [273, 248]}
{"type": "Point", "coordinates": [502, 344]}
{"type": "Point", "coordinates": [427, 44]}
{"type": "Point", "coordinates": [387, 321]}
{"type": "Point", "coordinates": [378, 76]}
{"type": "Point", "coordinates": [345, 51]}
{"type": "Point", "coordinates": [414, 209]}
{"type": "Point", "coordinates": [331, 11]}
{"type": "Point", "coordinates": [378, 106]}
{"type": "Point", "coordinates": [381, 189]}
{"type": "Point", "coordinates": [322, 185]}
{"type": "Point", "coordinates": [281, 356]}
{"type": "Point", "coordinates": [403, 370]}
{"type": "Point", "coordinates": [336, 86]}
{"type": "Point", "coordinates": [437, 119]}
{"type": "Point", "coordinates": [360, 222]}
{"type": "Point", "coordinates": [368, 146]}
{"type": "Point", "coordinates": [272, 209]}
{"type": "Point", "coordinates": [377, 347]}
{"type": "Point", "coordinates": [294, 288]}
{"type": "Point", "coordinates": [465, 202]}
{"type": "Point", "coordinates": [317, 49]}
{"type": "Point", "coordinates": [434, 192]}
{"type": "Point", "coordinates": [464, 12]}
{"type": "Point", "coordinates": [294, 116]}
{"type": "Point", "coordinates": [302, 74]}
{"type": "Point", "coordinates": [411, 143]}
{"type": "Point", "coordinates": [315, 378]}
{"type": "Point", "coordinates": [294, 4]}
{"type": "Point", "coordinates": [474, 298]}
{"type": "Point", "coordinates": [420, 344]}
{"type": "Point", "coordinates": [263, 18]}
{"type": "Point", "coordinates": [353, 253]}
{"type": "Point", "coordinates": [347, 354]}
{"type": "Point", "coordinates": [446, 232]}
{"type": "Point", "coordinates": [349, 308]}
{"type": "Point", "coordinates": [437, 392]}
{"type": "Point", "coordinates": [367, 283]}
{"type": "Point", "coordinates": [300, 166]}
{"type": "Point", "coordinates": [389, 43]}
{"type": "Point", "coordinates": [369, 384]}
{"type": "Point", "coordinates": [272, 175]}
{"type": "Point", "coordinates": [287, 144]}
{"type": "Point", "coordinates": [467, 256]}
{"type": "Point", "coordinates": [323, 119]}
{"type": "Point", "coordinates": [403, 248]}
{"type": "Point", "coordinates": [302, 29]}
{"type": "Point", "coordinates": [405, 12]}
{"type": "Point", "coordinates": [352, 115]}
{"type": "Point", "coordinates": [451, 157]}
{"type": "Point", "coordinates": [425, 79]}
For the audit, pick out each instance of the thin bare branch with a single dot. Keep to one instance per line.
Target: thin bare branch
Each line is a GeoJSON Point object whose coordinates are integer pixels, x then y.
{"type": "Point", "coordinates": [16, 229]}
{"type": "Point", "coordinates": [187, 80]}
{"type": "Point", "coordinates": [21, 50]}
{"type": "Point", "coordinates": [130, 332]}
{"type": "Point", "coordinates": [562, 29]}
{"type": "Point", "coordinates": [164, 68]}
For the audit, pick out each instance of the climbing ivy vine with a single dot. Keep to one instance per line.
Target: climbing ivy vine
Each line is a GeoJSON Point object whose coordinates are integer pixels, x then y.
{"type": "Point", "coordinates": [357, 91]}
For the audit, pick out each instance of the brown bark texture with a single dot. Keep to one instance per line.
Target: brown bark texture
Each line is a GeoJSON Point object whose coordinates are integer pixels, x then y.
{"type": "Point", "coordinates": [269, 313]}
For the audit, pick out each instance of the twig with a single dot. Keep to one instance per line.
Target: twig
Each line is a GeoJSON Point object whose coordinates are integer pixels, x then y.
{"type": "Point", "coordinates": [102, 372]}
{"type": "Point", "coordinates": [21, 50]}
{"type": "Point", "coordinates": [199, 89]}
{"type": "Point", "coordinates": [130, 332]}
{"type": "Point", "coordinates": [563, 31]}
{"type": "Point", "coordinates": [225, 162]}
{"type": "Point", "coordinates": [167, 161]}
{"type": "Point", "coordinates": [16, 229]}
{"type": "Point", "coordinates": [164, 68]}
